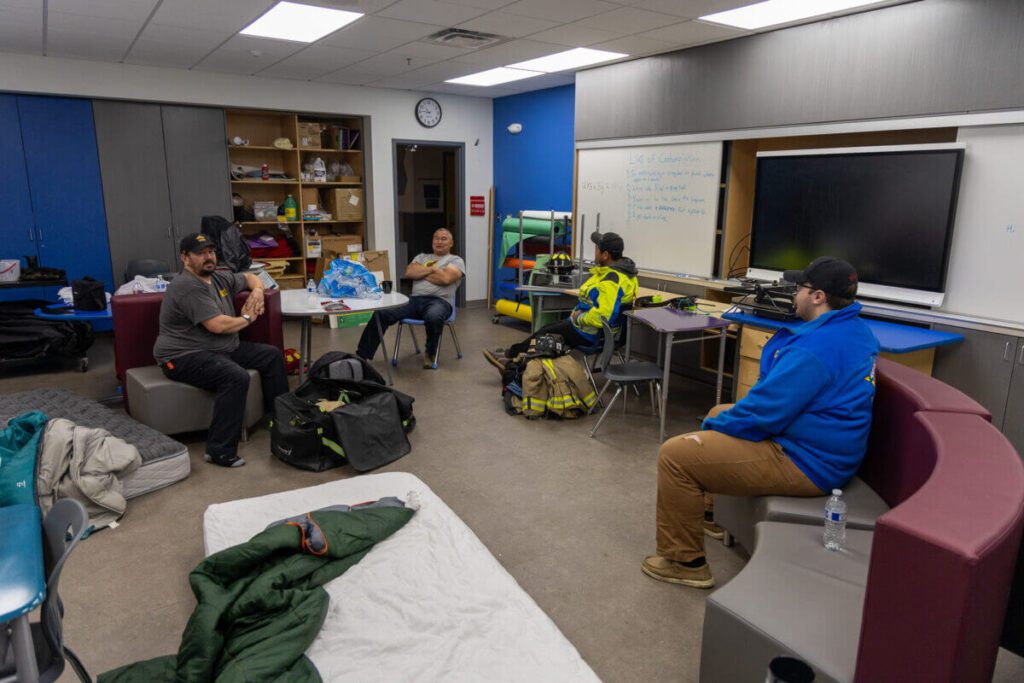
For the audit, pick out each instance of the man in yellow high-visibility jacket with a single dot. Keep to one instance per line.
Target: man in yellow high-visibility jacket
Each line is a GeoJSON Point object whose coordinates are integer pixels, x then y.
{"type": "Point", "coordinates": [611, 286]}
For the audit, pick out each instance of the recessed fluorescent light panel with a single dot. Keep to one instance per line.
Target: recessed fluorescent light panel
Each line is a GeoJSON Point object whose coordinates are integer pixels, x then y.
{"type": "Point", "coordinates": [502, 74]}
{"type": "Point", "coordinates": [773, 12]}
{"type": "Point", "coordinates": [300, 23]}
{"type": "Point", "coordinates": [570, 59]}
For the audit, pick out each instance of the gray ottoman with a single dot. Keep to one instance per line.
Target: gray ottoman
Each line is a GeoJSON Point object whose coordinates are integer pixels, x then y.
{"type": "Point", "coordinates": [739, 514]}
{"type": "Point", "coordinates": [174, 407]}
{"type": "Point", "coordinates": [794, 598]}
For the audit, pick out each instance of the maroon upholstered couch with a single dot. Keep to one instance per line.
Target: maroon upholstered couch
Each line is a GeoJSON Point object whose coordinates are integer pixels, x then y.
{"type": "Point", "coordinates": [922, 596]}
{"type": "Point", "coordinates": [137, 323]}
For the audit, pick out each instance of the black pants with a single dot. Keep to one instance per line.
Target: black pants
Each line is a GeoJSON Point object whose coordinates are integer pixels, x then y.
{"type": "Point", "coordinates": [226, 375]}
{"type": "Point", "coordinates": [563, 327]}
{"type": "Point", "coordinates": [432, 310]}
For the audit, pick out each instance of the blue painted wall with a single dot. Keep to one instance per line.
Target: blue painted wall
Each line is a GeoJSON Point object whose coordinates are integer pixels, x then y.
{"type": "Point", "coordinates": [533, 170]}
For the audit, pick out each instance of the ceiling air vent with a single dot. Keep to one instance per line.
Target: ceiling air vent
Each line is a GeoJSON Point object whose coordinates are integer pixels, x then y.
{"type": "Point", "coordinates": [457, 37]}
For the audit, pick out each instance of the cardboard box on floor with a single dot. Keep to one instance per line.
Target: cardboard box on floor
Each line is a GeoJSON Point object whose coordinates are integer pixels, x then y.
{"type": "Point", "coordinates": [374, 261]}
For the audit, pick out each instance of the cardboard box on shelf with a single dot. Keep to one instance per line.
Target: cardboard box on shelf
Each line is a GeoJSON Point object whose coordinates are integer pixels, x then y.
{"type": "Point", "coordinates": [309, 134]}
{"type": "Point", "coordinates": [346, 203]}
{"type": "Point", "coordinates": [310, 195]}
{"type": "Point", "coordinates": [333, 246]}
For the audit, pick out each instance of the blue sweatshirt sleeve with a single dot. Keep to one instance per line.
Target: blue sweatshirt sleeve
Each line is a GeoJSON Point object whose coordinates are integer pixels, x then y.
{"type": "Point", "coordinates": [774, 402]}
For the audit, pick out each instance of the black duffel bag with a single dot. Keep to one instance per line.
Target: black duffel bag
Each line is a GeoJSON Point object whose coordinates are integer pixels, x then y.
{"type": "Point", "coordinates": [88, 295]}
{"type": "Point", "coordinates": [367, 432]}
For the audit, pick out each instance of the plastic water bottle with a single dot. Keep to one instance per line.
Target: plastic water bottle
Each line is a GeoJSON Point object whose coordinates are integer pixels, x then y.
{"type": "Point", "coordinates": [161, 284]}
{"type": "Point", "coordinates": [835, 521]}
{"type": "Point", "coordinates": [311, 295]}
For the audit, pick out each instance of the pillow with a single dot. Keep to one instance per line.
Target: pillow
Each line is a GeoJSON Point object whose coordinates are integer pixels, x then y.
{"type": "Point", "coordinates": [19, 443]}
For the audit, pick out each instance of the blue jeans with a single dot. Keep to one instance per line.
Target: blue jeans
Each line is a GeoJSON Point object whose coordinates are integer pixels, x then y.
{"type": "Point", "coordinates": [433, 311]}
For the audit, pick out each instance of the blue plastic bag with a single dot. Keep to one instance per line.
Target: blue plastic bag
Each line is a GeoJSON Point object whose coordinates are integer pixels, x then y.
{"type": "Point", "coordinates": [344, 278]}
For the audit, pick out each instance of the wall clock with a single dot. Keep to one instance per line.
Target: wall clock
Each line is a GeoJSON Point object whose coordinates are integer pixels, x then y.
{"type": "Point", "coordinates": [428, 112]}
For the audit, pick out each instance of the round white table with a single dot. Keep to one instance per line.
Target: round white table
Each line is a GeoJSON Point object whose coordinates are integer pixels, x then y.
{"type": "Point", "coordinates": [295, 303]}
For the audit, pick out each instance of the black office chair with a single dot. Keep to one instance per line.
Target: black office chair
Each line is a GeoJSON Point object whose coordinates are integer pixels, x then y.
{"type": "Point", "coordinates": [147, 267]}
{"type": "Point", "coordinates": [624, 374]}
{"type": "Point", "coordinates": [62, 530]}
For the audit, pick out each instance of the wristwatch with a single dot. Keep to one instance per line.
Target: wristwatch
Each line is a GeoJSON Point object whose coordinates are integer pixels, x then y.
{"type": "Point", "coordinates": [247, 317]}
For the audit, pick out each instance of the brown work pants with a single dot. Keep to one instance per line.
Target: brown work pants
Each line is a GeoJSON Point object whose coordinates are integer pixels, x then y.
{"type": "Point", "coordinates": [693, 466]}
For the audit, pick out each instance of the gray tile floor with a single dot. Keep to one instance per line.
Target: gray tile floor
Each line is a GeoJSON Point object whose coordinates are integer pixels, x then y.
{"type": "Point", "coordinates": [568, 516]}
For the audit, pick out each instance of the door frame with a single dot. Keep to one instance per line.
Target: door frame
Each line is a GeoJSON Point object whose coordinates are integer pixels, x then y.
{"type": "Point", "coordinates": [460, 200]}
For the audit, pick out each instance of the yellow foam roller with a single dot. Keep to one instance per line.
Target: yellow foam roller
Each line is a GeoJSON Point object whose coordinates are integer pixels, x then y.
{"type": "Point", "coordinates": [513, 309]}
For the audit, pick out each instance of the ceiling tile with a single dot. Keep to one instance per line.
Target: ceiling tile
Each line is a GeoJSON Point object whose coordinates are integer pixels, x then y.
{"type": "Point", "coordinates": [387, 64]}
{"type": "Point", "coordinates": [509, 53]}
{"type": "Point", "coordinates": [349, 76]}
{"type": "Point", "coordinates": [560, 10]}
{"type": "Point", "coordinates": [235, 56]}
{"type": "Point", "coordinates": [133, 10]}
{"type": "Point", "coordinates": [442, 71]}
{"type": "Point", "coordinates": [161, 45]}
{"type": "Point", "coordinates": [692, 33]}
{"type": "Point", "coordinates": [428, 53]}
{"type": "Point", "coordinates": [21, 29]}
{"type": "Point", "coordinates": [636, 46]}
{"type": "Point", "coordinates": [401, 83]}
{"type": "Point", "coordinates": [61, 43]}
{"type": "Point", "coordinates": [361, 6]}
{"type": "Point", "coordinates": [505, 24]}
{"type": "Point", "coordinates": [379, 33]}
{"type": "Point", "coordinates": [473, 91]}
{"type": "Point", "coordinates": [689, 9]}
{"type": "Point", "coordinates": [435, 11]}
{"type": "Point", "coordinates": [233, 15]}
{"type": "Point", "coordinates": [483, 4]}
{"type": "Point", "coordinates": [628, 20]}
{"type": "Point", "coordinates": [197, 39]}
{"type": "Point", "coordinates": [542, 82]}
{"type": "Point", "coordinates": [86, 26]}
{"type": "Point", "coordinates": [315, 61]}
{"type": "Point", "coordinates": [574, 35]}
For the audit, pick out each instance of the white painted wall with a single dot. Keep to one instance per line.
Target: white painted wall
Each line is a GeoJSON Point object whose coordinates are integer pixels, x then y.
{"type": "Point", "coordinates": [465, 119]}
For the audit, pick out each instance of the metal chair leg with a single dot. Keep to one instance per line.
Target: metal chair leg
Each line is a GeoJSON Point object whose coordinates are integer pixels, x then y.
{"type": "Point", "coordinates": [437, 351]}
{"type": "Point", "coordinates": [245, 434]}
{"type": "Point", "coordinates": [618, 390]}
{"type": "Point", "coordinates": [728, 540]}
{"type": "Point", "coordinates": [398, 344]}
{"type": "Point", "coordinates": [599, 395]}
{"type": "Point", "coordinates": [455, 338]}
{"type": "Point", "coordinates": [657, 385]}
{"type": "Point", "coordinates": [415, 344]}
{"type": "Point", "coordinates": [590, 376]}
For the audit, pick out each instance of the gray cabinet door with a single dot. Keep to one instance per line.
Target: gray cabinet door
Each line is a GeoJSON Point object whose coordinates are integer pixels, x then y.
{"type": "Point", "coordinates": [1013, 423]}
{"type": "Point", "coordinates": [195, 145]}
{"type": "Point", "coordinates": [980, 366]}
{"type": "Point", "coordinates": [130, 144]}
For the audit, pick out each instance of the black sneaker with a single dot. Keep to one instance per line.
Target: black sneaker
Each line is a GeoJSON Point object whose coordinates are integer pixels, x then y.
{"type": "Point", "coordinates": [225, 460]}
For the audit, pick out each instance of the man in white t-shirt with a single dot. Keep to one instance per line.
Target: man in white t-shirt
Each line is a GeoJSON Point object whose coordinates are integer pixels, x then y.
{"type": "Point", "coordinates": [436, 276]}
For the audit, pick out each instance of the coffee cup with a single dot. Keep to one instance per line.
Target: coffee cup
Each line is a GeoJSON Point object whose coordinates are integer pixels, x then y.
{"type": "Point", "coordinates": [386, 286]}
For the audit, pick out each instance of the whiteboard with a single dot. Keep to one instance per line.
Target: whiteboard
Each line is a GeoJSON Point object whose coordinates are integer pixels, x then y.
{"type": "Point", "coordinates": [662, 200]}
{"type": "Point", "coordinates": [985, 277]}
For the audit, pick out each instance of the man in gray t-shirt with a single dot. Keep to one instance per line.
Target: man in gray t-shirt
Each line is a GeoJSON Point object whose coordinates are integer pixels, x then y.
{"type": "Point", "coordinates": [198, 343]}
{"type": "Point", "coordinates": [435, 278]}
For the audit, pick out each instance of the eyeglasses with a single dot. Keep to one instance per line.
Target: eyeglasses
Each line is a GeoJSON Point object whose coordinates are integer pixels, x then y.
{"type": "Point", "coordinates": [810, 288]}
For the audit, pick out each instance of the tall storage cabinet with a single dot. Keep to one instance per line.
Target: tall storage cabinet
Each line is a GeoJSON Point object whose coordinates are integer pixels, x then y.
{"type": "Point", "coordinates": [55, 197]}
{"type": "Point", "coordinates": [164, 167]}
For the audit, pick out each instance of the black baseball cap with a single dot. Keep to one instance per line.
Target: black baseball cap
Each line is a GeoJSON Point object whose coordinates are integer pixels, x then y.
{"type": "Point", "coordinates": [827, 273]}
{"type": "Point", "coordinates": [195, 243]}
{"type": "Point", "coordinates": [608, 241]}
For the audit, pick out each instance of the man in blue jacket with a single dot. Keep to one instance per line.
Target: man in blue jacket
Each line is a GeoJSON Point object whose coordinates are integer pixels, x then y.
{"type": "Point", "coordinates": [802, 429]}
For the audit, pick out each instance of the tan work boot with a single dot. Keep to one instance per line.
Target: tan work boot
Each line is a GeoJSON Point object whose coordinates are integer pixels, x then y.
{"type": "Point", "coordinates": [669, 571]}
{"type": "Point", "coordinates": [496, 358]}
{"type": "Point", "coordinates": [713, 530]}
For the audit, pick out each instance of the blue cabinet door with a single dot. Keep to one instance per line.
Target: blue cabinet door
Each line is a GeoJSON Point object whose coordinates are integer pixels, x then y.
{"type": "Point", "coordinates": [64, 183]}
{"type": "Point", "coordinates": [18, 232]}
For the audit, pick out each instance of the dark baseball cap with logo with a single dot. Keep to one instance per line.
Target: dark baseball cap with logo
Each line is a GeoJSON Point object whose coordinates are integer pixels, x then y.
{"type": "Point", "coordinates": [195, 243]}
{"type": "Point", "coordinates": [608, 241]}
{"type": "Point", "coordinates": [827, 273]}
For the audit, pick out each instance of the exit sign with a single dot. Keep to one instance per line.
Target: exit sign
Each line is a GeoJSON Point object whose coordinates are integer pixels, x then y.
{"type": "Point", "coordinates": [477, 207]}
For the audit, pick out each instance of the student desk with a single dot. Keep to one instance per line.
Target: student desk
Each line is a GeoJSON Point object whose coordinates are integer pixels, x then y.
{"type": "Point", "coordinates": [904, 344]}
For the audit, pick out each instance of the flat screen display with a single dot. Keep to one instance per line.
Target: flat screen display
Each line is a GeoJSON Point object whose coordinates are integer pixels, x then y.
{"type": "Point", "coordinates": [888, 213]}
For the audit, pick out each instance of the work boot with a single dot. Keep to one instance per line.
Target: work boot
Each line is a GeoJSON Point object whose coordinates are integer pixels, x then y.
{"type": "Point", "coordinates": [669, 571]}
{"type": "Point", "coordinates": [428, 361]}
{"type": "Point", "coordinates": [713, 530]}
{"type": "Point", "coordinates": [496, 358]}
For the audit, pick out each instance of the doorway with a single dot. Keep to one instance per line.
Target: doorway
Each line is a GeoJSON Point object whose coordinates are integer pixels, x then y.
{"type": "Point", "coordinates": [429, 194]}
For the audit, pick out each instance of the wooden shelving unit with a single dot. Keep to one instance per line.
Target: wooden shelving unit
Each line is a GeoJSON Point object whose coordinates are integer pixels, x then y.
{"type": "Point", "coordinates": [261, 129]}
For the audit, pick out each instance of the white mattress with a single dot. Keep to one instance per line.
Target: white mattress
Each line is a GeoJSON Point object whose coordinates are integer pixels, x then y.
{"type": "Point", "coordinates": [430, 603]}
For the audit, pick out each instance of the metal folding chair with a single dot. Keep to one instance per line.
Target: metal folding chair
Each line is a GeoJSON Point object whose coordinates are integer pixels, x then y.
{"type": "Point", "coordinates": [624, 374]}
{"type": "Point", "coordinates": [449, 325]}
